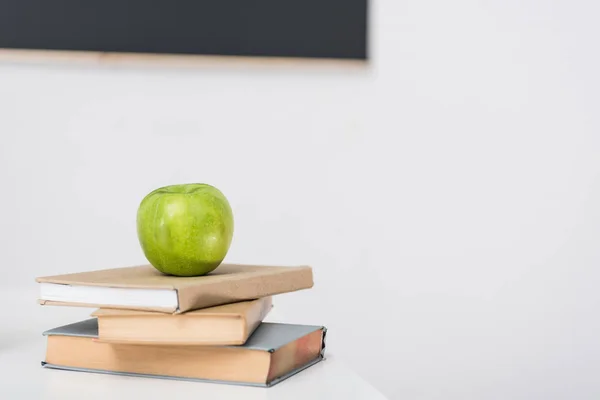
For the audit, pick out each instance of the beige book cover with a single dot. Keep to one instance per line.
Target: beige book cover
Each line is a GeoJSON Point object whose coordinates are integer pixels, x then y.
{"type": "Point", "coordinates": [229, 324]}
{"type": "Point", "coordinates": [145, 288]}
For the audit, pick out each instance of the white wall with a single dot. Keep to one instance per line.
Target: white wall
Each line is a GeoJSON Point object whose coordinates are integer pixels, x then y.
{"type": "Point", "coordinates": [448, 196]}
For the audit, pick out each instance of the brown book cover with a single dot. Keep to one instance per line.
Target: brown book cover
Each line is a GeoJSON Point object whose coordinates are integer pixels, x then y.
{"type": "Point", "coordinates": [229, 324]}
{"type": "Point", "coordinates": [145, 288]}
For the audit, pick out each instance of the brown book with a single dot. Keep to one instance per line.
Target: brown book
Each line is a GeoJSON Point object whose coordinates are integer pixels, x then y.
{"type": "Point", "coordinates": [230, 324]}
{"type": "Point", "coordinates": [145, 288]}
{"type": "Point", "coordinates": [273, 353]}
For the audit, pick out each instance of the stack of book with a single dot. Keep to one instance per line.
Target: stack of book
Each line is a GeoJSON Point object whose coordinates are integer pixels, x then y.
{"type": "Point", "coordinates": [206, 328]}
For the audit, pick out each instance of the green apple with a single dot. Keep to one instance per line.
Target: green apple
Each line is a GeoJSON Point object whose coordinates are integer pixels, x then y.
{"type": "Point", "coordinates": [185, 230]}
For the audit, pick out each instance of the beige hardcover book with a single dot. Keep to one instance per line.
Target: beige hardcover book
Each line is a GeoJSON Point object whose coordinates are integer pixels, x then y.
{"type": "Point", "coordinates": [230, 324]}
{"type": "Point", "coordinates": [273, 353]}
{"type": "Point", "coordinates": [145, 288]}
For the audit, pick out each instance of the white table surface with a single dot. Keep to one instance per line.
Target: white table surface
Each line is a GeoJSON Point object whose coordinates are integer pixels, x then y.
{"type": "Point", "coordinates": [22, 347]}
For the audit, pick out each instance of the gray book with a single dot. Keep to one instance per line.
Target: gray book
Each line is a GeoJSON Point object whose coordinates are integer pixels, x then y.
{"type": "Point", "coordinates": [272, 354]}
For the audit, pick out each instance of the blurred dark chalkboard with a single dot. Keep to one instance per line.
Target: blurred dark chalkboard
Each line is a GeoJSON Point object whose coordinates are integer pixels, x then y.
{"type": "Point", "coordinates": [277, 28]}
